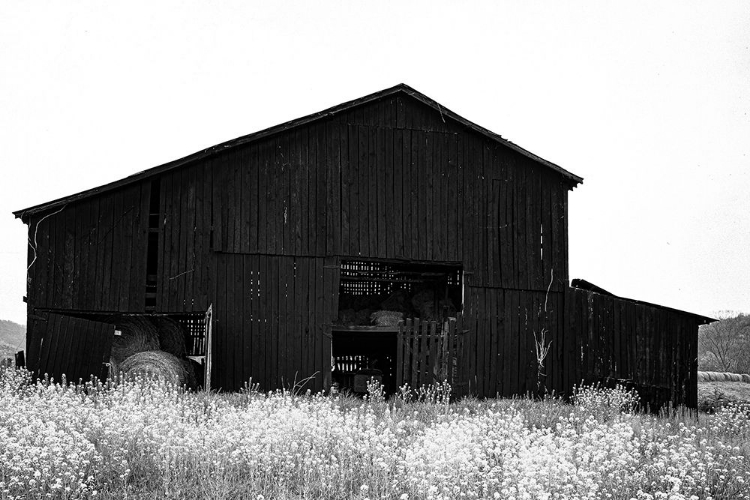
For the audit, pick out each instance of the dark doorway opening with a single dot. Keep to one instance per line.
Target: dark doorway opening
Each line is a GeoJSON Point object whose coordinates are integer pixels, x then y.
{"type": "Point", "coordinates": [374, 296]}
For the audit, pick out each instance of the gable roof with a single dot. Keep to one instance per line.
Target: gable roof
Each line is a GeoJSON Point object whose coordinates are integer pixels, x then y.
{"type": "Point", "coordinates": [398, 89]}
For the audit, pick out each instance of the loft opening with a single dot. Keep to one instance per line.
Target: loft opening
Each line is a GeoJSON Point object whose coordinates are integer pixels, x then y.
{"type": "Point", "coordinates": [374, 295]}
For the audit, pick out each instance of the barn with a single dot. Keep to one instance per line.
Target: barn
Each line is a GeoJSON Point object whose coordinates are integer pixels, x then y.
{"type": "Point", "coordinates": [386, 236]}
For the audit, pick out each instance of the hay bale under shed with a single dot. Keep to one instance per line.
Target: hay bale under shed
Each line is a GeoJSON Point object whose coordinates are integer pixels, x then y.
{"type": "Point", "coordinates": [137, 334]}
{"type": "Point", "coordinates": [156, 364]}
{"type": "Point", "coordinates": [171, 336]}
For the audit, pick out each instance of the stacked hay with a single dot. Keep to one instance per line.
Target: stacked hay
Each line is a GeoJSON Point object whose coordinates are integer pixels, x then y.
{"type": "Point", "coordinates": [703, 377]}
{"type": "Point", "coordinates": [138, 334]}
{"type": "Point", "coordinates": [386, 318]}
{"type": "Point", "coordinates": [156, 364]}
{"type": "Point", "coordinates": [746, 378]}
{"type": "Point", "coordinates": [171, 336]}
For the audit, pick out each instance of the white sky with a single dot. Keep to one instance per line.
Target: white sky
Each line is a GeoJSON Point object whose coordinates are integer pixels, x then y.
{"type": "Point", "coordinates": [648, 101]}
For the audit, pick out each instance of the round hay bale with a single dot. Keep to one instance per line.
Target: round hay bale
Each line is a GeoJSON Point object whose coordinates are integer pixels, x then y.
{"type": "Point", "coordinates": [171, 336]}
{"type": "Point", "coordinates": [137, 334]}
{"type": "Point", "coordinates": [156, 364]}
{"type": "Point", "coordinates": [746, 378]}
{"type": "Point", "coordinates": [734, 377]}
{"type": "Point", "coordinates": [715, 377]}
{"type": "Point", "coordinates": [703, 377]}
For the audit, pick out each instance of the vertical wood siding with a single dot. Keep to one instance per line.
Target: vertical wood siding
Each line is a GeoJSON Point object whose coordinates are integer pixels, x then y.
{"type": "Point", "coordinates": [650, 348]}
{"type": "Point", "coordinates": [75, 347]}
{"type": "Point", "coordinates": [258, 230]}
{"type": "Point", "coordinates": [592, 338]}
{"type": "Point", "coordinates": [355, 185]}
{"type": "Point", "coordinates": [91, 255]}
{"type": "Point", "coordinates": [273, 320]}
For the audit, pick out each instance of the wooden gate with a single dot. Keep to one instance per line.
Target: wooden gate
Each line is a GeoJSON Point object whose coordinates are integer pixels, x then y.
{"type": "Point", "coordinates": [431, 352]}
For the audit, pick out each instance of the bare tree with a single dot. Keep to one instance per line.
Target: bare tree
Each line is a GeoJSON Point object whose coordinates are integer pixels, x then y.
{"type": "Point", "coordinates": [725, 344]}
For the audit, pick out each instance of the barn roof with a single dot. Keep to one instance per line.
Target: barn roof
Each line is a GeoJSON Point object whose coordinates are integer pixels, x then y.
{"type": "Point", "coordinates": [398, 89]}
{"type": "Point", "coordinates": [582, 284]}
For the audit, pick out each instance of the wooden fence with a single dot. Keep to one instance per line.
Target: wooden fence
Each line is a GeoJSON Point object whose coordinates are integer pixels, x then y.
{"type": "Point", "coordinates": [431, 352]}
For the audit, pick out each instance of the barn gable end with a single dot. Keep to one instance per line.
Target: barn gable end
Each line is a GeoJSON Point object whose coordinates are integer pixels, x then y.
{"type": "Point", "coordinates": [260, 228]}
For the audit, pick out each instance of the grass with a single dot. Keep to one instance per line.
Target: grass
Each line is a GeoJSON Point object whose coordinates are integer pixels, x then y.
{"type": "Point", "coordinates": [711, 393]}
{"type": "Point", "coordinates": [144, 439]}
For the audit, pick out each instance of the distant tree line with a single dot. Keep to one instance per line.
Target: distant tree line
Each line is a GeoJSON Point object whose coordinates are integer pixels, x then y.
{"type": "Point", "coordinates": [724, 346]}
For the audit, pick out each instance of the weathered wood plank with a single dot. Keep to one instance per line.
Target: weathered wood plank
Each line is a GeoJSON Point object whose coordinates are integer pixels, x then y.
{"type": "Point", "coordinates": [390, 199]}
{"type": "Point", "coordinates": [252, 194]}
{"type": "Point", "coordinates": [265, 155]}
{"type": "Point", "coordinates": [364, 192]}
{"type": "Point", "coordinates": [382, 185]}
{"type": "Point", "coordinates": [320, 334]}
{"type": "Point", "coordinates": [411, 157]}
{"type": "Point", "coordinates": [334, 207]}
{"type": "Point", "coordinates": [353, 171]}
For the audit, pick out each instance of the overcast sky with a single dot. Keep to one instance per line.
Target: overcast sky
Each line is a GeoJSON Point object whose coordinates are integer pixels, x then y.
{"type": "Point", "coordinates": [648, 101]}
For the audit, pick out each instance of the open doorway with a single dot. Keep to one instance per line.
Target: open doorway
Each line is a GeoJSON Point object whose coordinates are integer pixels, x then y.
{"type": "Point", "coordinates": [374, 296]}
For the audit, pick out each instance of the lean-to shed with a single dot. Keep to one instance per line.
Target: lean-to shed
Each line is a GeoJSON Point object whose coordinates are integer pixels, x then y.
{"type": "Point", "coordinates": [301, 247]}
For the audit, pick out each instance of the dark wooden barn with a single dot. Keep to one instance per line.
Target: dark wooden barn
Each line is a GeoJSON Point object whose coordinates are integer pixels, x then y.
{"type": "Point", "coordinates": [286, 242]}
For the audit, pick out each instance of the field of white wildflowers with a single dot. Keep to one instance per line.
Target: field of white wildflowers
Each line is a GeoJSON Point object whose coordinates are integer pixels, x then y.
{"type": "Point", "coordinates": [146, 440]}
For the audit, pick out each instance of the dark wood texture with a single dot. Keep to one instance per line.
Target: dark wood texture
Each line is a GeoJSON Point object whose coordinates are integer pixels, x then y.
{"type": "Point", "coordinates": [258, 228]}
{"type": "Point", "coordinates": [71, 347]}
{"type": "Point", "coordinates": [275, 321]}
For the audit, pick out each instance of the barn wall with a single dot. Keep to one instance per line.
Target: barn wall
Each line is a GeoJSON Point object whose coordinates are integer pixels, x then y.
{"type": "Point", "coordinates": [257, 231]}
{"type": "Point", "coordinates": [653, 348]}
{"type": "Point", "coordinates": [348, 186]}
{"type": "Point", "coordinates": [591, 338]}
{"type": "Point", "coordinates": [91, 255]}
{"type": "Point", "coordinates": [183, 277]}
{"type": "Point", "coordinates": [502, 328]}
{"type": "Point", "coordinates": [363, 184]}
{"type": "Point", "coordinates": [272, 319]}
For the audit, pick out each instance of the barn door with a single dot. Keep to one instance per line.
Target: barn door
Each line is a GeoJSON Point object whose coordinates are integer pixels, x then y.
{"type": "Point", "coordinates": [430, 352]}
{"type": "Point", "coordinates": [208, 329]}
{"type": "Point", "coordinates": [78, 348]}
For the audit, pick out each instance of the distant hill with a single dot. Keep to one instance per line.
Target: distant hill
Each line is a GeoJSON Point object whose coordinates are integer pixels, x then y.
{"type": "Point", "coordinates": [12, 338]}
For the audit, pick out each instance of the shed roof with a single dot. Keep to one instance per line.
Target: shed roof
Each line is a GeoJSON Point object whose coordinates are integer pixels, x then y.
{"type": "Point", "coordinates": [398, 89]}
{"type": "Point", "coordinates": [587, 285]}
